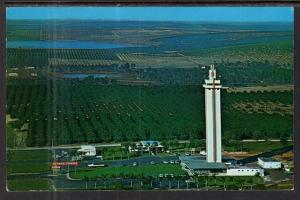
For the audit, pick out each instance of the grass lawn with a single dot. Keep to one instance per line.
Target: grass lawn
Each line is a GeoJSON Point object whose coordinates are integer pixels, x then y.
{"type": "Point", "coordinates": [263, 146]}
{"type": "Point", "coordinates": [27, 167]}
{"type": "Point", "coordinates": [115, 153]}
{"type": "Point", "coordinates": [28, 161]}
{"type": "Point", "coordinates": [147, 170]}
{"type": "Point", "coordinates": [27, 184]}
{"type": "Point", "coordinates": [28, 155]}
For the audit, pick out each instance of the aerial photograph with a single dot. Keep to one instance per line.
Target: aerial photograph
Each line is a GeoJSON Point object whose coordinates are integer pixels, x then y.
{"type": "Point", "coordinates": [149, 98]}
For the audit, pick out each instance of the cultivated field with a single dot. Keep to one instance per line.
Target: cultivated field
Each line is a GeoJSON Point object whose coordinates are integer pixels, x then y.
{"type": "Point", "coordinates": [88, 112]}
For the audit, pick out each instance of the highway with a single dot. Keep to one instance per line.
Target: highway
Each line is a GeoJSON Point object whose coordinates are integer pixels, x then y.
{"type": "Point", "coordinates": [77, 146]}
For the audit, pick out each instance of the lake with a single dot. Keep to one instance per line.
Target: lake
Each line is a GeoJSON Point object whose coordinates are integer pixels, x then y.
{"type": "Point", "coordinates": [65, 44]}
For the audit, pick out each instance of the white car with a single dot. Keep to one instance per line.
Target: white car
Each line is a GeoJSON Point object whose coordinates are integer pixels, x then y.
{"type": "Point", "coordinates": [96, 165]}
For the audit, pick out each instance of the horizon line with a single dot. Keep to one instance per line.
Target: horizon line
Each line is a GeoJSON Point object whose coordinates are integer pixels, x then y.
{"type": "Point", "coordinates": [146, 20]}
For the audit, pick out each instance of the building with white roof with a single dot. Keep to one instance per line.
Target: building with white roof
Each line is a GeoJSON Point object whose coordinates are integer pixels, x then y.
{"type": "Point", "coordinates": [87, 150]}
{"type": "Point", "coordinates": [269, 163]}
{"type": "Point", "coordinates": [245, 171]}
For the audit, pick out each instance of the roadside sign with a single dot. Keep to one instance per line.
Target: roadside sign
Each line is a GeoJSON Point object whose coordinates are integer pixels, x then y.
{"type": "Point", "coordinates": [75, 163]}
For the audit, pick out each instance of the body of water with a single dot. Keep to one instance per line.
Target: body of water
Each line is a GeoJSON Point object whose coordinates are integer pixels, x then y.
{"type": "Point", "coordinates": [65, 44]}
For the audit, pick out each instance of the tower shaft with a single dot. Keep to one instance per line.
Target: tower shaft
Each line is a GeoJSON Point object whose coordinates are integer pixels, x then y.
{"type": "Point", "coordinates": [213, 117]}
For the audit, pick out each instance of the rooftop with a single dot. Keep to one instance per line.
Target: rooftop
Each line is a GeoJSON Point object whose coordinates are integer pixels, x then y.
{"type": "Point", "coordinates": [268, 159]}
{"type": "Point", "coordinates": [150, 142]}
{"type": "Point", "coordinates": [87, 147]}
{"type": "Point", "coordinates": [244, 167]}
{"type": "Point", "coordinates": [199, 162]}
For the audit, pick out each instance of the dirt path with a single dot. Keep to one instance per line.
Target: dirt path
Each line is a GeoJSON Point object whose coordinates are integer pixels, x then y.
{"type": "Point", "coordinates": [261, 88]}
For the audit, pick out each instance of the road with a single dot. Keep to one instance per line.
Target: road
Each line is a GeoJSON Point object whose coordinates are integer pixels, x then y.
{"type": "Point", "coordinates": [77, 146]}
{"type": "Point", "coordinates": [262, 140]}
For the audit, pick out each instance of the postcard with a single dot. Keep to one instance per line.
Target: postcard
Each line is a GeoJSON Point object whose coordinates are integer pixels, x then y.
{"type": "Point", "coordinates": [141, 98]}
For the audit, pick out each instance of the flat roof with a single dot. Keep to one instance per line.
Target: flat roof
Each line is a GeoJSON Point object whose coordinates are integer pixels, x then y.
{"type": "Point", "coordinates": [243, 167]}
{"type": "Point", "coordinates": [199, 162]}
{"type": "Point", "coordinates": [268, 159]}
{"type": "Point", "coordinates": [87, 147]}
{"type": "Point", "coordinates": [151, 142]}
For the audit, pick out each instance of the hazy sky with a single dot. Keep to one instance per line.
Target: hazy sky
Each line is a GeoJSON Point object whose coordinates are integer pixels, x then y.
{"type": "Point", "coordinates": [234, 14]}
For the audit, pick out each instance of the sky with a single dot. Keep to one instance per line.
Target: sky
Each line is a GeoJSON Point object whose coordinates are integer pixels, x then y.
{"type": "Point", "coordinates": [193, 14]}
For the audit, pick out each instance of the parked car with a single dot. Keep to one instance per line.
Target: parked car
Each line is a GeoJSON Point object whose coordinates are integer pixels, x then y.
{"type": "Point", "coordinates": [152, 162]}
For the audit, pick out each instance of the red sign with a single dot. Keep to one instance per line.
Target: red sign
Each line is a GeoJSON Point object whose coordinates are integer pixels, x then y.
{"type": "Point", "coordinates": [65, 163]}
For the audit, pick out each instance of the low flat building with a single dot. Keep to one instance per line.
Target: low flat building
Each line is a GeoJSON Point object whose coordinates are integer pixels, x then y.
{"type": "Point", "coordinates": [244, 171]}
{"type": "Point", "coordinates": [198, 165]}
{"type": "Point", "coordinates": [87, 150]}
{"type": "Point", "coordinates": [269, 163]}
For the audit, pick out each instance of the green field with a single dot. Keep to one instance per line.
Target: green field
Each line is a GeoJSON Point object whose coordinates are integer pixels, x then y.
{"type": "Point", "coordinates": [27, 167]}
{"type": "Point", "coordinates": [116, 153]}
{"type": "Point", "coordinates": [89, 112]}
{"type": "Point", "coordinates": [22, 183]}
{"type": "Point", "coordinates": [147, 170]}
{"type": "Point", "coordinates": [28, 161]}
{"type": "Point", "coordinates": [256, 147]}
{"type": "Point", "coordinates": [28, 155]}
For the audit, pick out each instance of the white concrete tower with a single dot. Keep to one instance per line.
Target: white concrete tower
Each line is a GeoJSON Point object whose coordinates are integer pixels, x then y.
{"type": "Point", "coordinates": [213, 117]}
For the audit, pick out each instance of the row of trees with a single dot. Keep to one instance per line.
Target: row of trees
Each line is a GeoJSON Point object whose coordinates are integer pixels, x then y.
{"type": "Point", "coordinates": [233, 73]}
{"type": "Point", "coordinates": [19, 57]}
{"type": "Point", "coordinates": [63, 112]}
